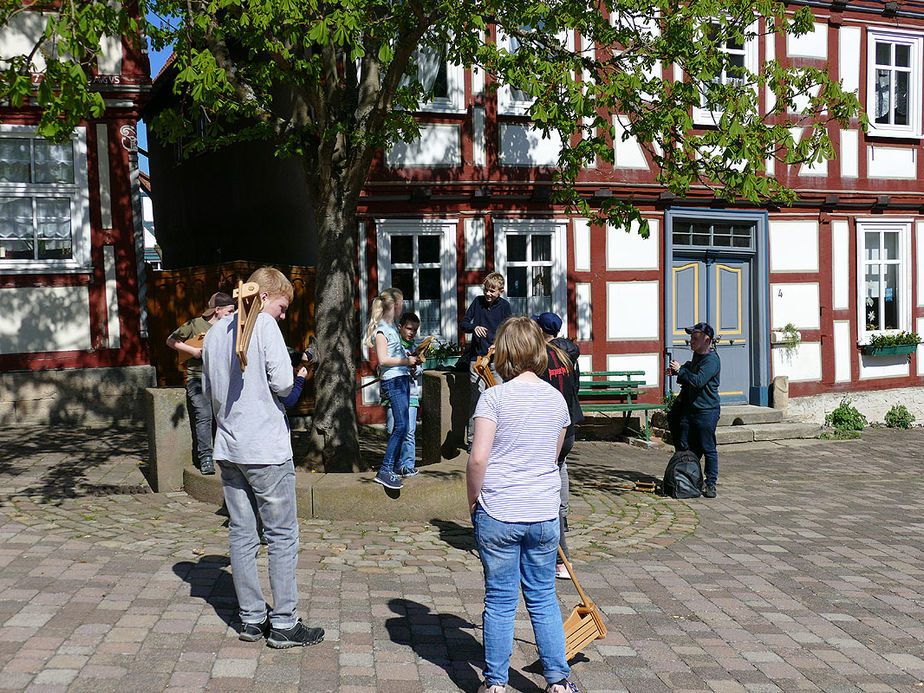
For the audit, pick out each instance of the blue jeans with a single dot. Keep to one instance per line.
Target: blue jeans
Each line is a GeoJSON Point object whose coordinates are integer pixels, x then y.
{"type": "Point", "coordinates": [408, 453]}
{"type": "Point", "coordinates": [516, 554]}
{"type": "Point", "coordinates": [267, 490]}
{"type": "Point", "coordinates": [694, 429]}
{"type": "Point", "coordinates": [397, 390]}
{"type": "Point", "coordinates": [200, 413]}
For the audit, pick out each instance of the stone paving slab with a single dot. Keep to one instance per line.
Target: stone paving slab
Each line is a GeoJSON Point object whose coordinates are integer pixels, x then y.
{"type": "Point", "coordinates": [805, 573]}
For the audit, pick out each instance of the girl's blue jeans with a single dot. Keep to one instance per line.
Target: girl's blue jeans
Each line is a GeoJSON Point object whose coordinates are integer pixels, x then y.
{"type": "Point", "coordinates": [398, 392]}
{"type": "Point", "coordinates": [516, 554]}
{"type": "Point", "coordinates": [407, 457]}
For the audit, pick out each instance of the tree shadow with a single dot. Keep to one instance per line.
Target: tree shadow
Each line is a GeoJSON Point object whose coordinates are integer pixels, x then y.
{"type": "Point", "coordinates": [458, 536]}
{"type": "Point", "coordinates": [81, 451]}
{"type": "Point", "coordinates": [209, 579]}
{"type": "Point", "coordinates": [442, 640]}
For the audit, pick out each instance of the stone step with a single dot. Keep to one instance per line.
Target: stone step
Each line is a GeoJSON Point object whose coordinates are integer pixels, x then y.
{"type": "Point", "coordinates": [744, 414]}
{"type": "Point", "coordinates": [750, 433]}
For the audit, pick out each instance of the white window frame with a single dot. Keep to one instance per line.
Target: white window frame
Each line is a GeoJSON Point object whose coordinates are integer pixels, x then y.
{"type": "Point", "coordinates": [903, 227]}
{"type": "Point", "coordinates": [447, 230]}
{"type": "Point", "coordinates": [454, 101]}
{"type": "Point", "coordinates": [507, 101]}
{"type": "Point", "coordinates": [916, 43]}
{"type": "Point", "coordinates": [706, 116]}
{"type": "Point", "coordinates": [78, 194]}
{"type": "Point", "coordinates": [559, 230]}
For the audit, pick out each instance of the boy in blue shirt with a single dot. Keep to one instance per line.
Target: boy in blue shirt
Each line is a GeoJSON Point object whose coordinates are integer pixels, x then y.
{"type": "Point", "coordinates": [481, 320]}
{"type": "Point", "coordinates": [408, 326]}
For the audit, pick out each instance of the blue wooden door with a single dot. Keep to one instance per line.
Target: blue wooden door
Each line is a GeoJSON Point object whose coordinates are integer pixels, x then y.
{"type": "Point", "coordinates": [716, 291]}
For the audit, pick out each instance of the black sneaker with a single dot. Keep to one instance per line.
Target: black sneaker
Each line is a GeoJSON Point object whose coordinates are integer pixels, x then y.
{"type": "Point", "coordinates": [251, 632]}
{"type": "Point", "coordinates": [709, 491]}
{"type": "Point", "coordinates": [297, 636]}
{"type": "Point", "coordinates": [207, 466]}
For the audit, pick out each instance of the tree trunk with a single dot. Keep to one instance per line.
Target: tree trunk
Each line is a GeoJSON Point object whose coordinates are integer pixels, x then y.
{"type": "Point", "coordinates": [334, 425]}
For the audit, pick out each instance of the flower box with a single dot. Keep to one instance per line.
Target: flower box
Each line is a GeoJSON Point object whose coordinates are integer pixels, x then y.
{"type": "Point", "coordinates": [888, 350]}
{"type": "Point", "coordinates": [447, 361]}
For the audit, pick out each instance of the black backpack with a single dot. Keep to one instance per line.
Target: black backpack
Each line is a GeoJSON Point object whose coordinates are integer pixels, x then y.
{"type": "Point", "coordinates": [683, 477]}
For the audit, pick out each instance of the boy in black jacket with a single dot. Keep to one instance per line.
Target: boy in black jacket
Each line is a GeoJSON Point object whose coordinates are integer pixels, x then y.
{"type": "Point", "coordinates": [695, 414]}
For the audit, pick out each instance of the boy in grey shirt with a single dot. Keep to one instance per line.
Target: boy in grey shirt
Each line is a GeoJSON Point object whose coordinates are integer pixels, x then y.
{"type": "Point", "coordinates": [253, 450]}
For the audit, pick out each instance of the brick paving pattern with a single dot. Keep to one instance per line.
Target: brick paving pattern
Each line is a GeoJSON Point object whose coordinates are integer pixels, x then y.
{"type": "Point", "coordinates": [806, 573]}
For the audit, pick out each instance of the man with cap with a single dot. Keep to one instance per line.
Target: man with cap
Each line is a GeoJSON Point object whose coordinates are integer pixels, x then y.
{"type": "Point", "coordinates": [564, 375]}
{"type": "Point", "coordinates": [695, 413]}
{"type": "Point", "coordinates": [200, 411]}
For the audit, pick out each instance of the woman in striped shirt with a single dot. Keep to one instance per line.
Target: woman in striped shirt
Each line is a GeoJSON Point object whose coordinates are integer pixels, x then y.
{"type": "Point", "coordinates": [513, 493]}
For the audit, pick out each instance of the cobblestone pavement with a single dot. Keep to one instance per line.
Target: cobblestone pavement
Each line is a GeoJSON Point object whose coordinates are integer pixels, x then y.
{"type": "Point", "coordinates": [805, 573]}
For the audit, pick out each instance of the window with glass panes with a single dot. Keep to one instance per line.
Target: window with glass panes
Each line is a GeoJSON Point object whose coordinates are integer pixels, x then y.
{"type": "Point", "coordinates": [894, 82]}
{"type": "Point", "coordinates": [415, 269]}
{"type": "Point", "coordinates": [881, 273]}
{"type": "Point", "coordinates": [708, 234]}
{"type": "Point", "coordinates": [38, 187]}
{"type": "Point", "coordinates": [529, 272]}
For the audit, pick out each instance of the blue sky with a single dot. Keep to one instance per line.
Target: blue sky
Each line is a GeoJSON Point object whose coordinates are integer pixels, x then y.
{"type": "Point", "coordinates": [157, 58]}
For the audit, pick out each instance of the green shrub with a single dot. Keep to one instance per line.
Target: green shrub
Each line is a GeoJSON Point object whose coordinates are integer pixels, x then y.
{"type": "Point", "coordinates": [846, 417]}
{"type": "Point", "coordinates": [899, 417]}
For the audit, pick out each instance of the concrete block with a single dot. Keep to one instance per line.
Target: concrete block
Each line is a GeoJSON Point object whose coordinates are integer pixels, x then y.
{"type": "Point", "coordinates": [169, 436]}
{"type": "Point", "coordinates": [444, 415]}
{"type": "Point", "coordinates": [734, 434]}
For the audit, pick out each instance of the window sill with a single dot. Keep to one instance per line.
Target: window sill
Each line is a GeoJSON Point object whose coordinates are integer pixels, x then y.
{"type": "Point", "coordinates": [869, 350]}
{"type": "Point", "coordinates": [44, 269]}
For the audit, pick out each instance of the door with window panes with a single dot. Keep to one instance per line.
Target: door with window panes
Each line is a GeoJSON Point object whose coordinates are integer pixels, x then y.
{"type": "Point", "coordinates": [711, 282]}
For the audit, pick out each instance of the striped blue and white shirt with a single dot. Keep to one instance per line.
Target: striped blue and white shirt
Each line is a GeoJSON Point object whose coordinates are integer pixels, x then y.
{"type": "Point", "coordinates": [522, 482]}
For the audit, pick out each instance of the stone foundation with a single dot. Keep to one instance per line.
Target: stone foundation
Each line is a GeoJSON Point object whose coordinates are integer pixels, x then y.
{"type": "Point", "coordinates": [84, 396]}
{"type": "Point", "coordinates": [871, 403]}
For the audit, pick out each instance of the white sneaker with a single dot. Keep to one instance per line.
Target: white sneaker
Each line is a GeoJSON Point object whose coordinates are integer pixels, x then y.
{"type": "Point", "coordinates": [564, 686]}
{"type": "Point", "coordinates": [561, 572]}
{"type": "Point", "coordinates": [496, 688]}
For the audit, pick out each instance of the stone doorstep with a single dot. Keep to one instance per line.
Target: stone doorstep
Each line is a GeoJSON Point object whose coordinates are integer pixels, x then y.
{"type": "Point", "coordinates": [769, 431]}
{"type": "Point", "coordinates": [437, 491]}
{"type": "Point", "coordinates": [745, 414]}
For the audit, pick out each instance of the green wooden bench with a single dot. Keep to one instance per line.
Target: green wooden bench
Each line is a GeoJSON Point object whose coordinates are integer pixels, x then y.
{"type": "Point", "coordinates": [618, 391]}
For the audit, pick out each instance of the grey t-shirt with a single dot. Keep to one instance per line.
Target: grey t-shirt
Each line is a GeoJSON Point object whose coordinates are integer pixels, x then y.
{"type": "Point", "coordinates": [251, 422]}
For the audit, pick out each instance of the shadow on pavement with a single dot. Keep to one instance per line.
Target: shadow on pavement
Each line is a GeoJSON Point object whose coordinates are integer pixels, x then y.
{"type": "Point", "coordinates": [210, 580]}
{"type": "Point", "coordinates": [441, 640]}
{"type": "Point", "coordinates": [78, 453]}
{"type": "Point", "coordinates": [458, 536]}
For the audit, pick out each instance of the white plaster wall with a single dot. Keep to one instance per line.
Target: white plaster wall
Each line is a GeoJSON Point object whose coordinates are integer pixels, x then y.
{"type": "Point", "coordinates": [584, 314]}
{"type": "Point", "coordinates": [472, 291]}
{"type": "Point", "coordinates": [795, 303]}
{"type": "Point", "coordinates": [525, 145]}
{"type": "Point", "coordinates": [18, 36]}
{"type": "Point", "coordinates": [919, 267]}
{"type": "Point", "coordinates": [811, 45]}
{"type": "Point", "coordinates": [632, 310]}
{"type": "Point", "coordinates": [919, 328]}
{"type": "Point", "coordinates": [891, 162]}
{"type": "Point", "coordinates": [650, 363]}
{"type": "Point", "coordinates": [873, 404]}
{"type": "Point", "coordinates": [840, 264]}
{"type": "Point", "coordinates": [844, 346]}
{"type": "Point", "coordinates": [628, 250]}
{"type": "Point", "coordinates": [850, 154]}
{"type": "Point", "coordinates": [581, 229]}
{"type": "Point", "coordinates": [371, 394]}
{"type": "Point", "coordinates": [113, 333]}
{"type": "Point", "coordinates": [585, 362]}
{"type": "Point", "coordinates": [105, 188]}
{"type": "Point", "coordinates": [627, 153]}
{"type": "Point", "coordinates": [802, 364]}
{"type": "Point", "coordinates": [794, 246]}
{"type": "Point", "coordinates": [872, 367]}
{"type": "Point", "coordinates": [769, 96]}
{"type": "Point", "coordinates": [479, 141]}
{"type": "Point", "coordinates": [849, 59]}
{"type": "Point", "coordinates": [109, 60]}
{"type": "Point", "coordinates": [47, 318]}
{"type": "Point", "coordinates": [438, 145]}
{"type": "Point", "coordinates": [474, 243]}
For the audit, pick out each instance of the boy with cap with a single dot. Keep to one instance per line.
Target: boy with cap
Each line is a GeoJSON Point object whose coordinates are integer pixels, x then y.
{"type": "Point", "coordinates": [200, 411]}
{"type": "Point", "coordinates": [564, 374]}
{"type": "Point", "coordinates": [695, 413]}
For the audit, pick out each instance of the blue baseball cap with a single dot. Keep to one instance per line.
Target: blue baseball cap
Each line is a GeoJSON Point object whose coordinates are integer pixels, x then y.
{"type": "Point", "coordinates": [549, 323]}
{"type": "Point", "coordinates": [703, 327]}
